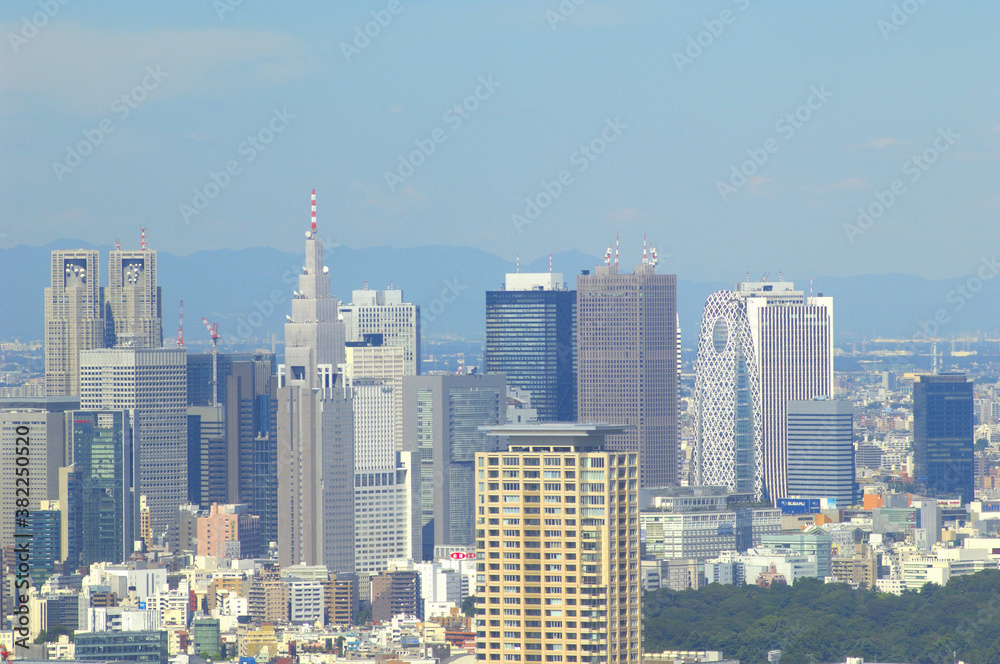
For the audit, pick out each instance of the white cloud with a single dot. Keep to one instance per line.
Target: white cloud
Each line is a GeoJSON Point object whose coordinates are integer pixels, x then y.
{"type": "Point", "coordinates": [880, 143]}
{"type": "Point", "coordinates": [85, 70]}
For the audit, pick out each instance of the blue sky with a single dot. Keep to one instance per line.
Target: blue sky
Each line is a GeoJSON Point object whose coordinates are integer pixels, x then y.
{"type": "Point", "coordinates": [546, 88]}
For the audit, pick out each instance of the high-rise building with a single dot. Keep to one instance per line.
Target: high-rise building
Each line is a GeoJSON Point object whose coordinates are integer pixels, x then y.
{"type": "Point", "coordinates": [105, 476]}
{"type": "Point", "coordinates": [315, 427]}
{"type": "Point", "coordinates": [728, 438]}
{"type": "Point", "coordinates": [384, 485]}
{"type": "Point", "coordinates": [442, 416]}
{"type": "Point", "coordinates": [384, 312]}
{"type": "Point", "coordinates": [793, 342]}
{"type": "Point", "coordinates": [821, 450]}
{"type": "Point", "coordinates": [201, 367]}
{"type": "Point", "coordinates": [531, 338]}
{"type": "Point", "coordinates": [208, 466]}
{"type": "Point", "coordinates": [74, 318]}
{"type": "Point", "coordinates": [135, 319]}
{"type": "Point", "coordinates": [557, 544]}
{"type": "Point", "coordinates": [37, 434]}
{"type": "Point", "coordinates": [43, 526]}
{"type": "Point", "coordinates": [626, 347]}
{"type": "Point", "coordinates": [152, 384]}
{"type": "Point", "coordinates": [372, 358]}
{"type": "Point", "coordinates": [943, 436]}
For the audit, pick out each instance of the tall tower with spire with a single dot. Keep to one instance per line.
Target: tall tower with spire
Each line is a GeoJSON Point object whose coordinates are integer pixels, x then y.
{"type": "Point", "coordinates": [315, 426]}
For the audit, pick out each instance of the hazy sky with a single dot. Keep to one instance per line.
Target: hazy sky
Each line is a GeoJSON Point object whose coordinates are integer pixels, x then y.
{"type": "Point", "coordinates": [611, 116]}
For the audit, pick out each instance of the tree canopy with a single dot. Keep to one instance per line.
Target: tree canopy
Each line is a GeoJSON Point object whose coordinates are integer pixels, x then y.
{"type": "Point", "coordinates": [816, 622]}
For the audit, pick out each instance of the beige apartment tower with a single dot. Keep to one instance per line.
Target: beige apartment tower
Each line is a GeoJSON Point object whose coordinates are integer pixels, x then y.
{"type": "Point", "coordinates": [74, 318]}
{"type": "Point", "coordinates": [627, 341]}
{"type": "Point", "coordinates": [557, 547]}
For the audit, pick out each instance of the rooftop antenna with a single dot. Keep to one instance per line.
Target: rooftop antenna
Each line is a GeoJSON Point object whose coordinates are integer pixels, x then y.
{"type": "Point", "coordinates": [366, 284]}
{"type": "Point", "coordinates": [607, 256]}
{"type": "Point", "coordinates": [213, 330]}
{"type": "Point", "coordinates": [780, 277]}
{"type": "Point", "coordinates": [616, 249]}
{"type": "Point", "coordinates": [748, 276]}
{"type": "Point", "coordinates": [313, 227]}
{"type": "Point", "coordinates": [518, 262]}
{"type": "Point", "coordinates": [550, 263]}
{"type": "Point", "coordinates": [392, 285]}
{"type": "Point", "coordinates": [654, 258]}
{"type": "Point", "coordinates": [810, 286]}
{"type": "Point", "coordinates": [118, 244]}
{"type": "Point", "coordinates": [645, 260]}
{"type": "Point", "coordinates": [180, 327]}
{"type": "Point", "coordinates": [143, 238]}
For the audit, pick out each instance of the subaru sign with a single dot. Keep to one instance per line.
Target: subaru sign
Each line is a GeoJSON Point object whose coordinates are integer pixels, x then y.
{"type": "Point", "coordinates": [798, 505]}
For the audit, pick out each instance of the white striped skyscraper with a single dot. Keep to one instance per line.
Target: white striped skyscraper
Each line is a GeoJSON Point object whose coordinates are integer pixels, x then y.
{"type": "Point", "coordinates": [793, 341]}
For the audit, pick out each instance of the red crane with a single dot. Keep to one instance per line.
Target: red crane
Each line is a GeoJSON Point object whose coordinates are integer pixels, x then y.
{"type": "Point", "coordinates": [213, 330]}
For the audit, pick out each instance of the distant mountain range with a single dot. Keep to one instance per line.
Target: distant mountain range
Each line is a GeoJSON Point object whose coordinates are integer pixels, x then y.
{"type": "Point", "coordinates": [247, 291]}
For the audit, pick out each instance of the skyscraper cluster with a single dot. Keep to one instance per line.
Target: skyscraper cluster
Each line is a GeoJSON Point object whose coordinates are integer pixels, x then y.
{"type": "Point", "coordinates": [350, 471]}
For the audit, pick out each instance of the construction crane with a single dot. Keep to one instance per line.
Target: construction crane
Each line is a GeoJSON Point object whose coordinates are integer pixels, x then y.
{"type": "Point", "coordinates": [5, 655]}
{"type": "Point", "coordinates": [213, 330]}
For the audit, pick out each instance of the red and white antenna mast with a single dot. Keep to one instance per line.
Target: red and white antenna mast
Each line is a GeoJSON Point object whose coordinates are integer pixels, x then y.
{"type": "Point", "coordinates": [550, 263]}
{"type": "Point", "coordinates": [645, 258]}
{"type": "Point", "coordinates": [518, 263]}
{"type": "Point", "coordinates": [313, 227]}
{"type": "Point", "coordinates": [213, 331]}
{"type": "Point", "coordinates": [180, 326]}
{"type": "Point", "coordinates": [118, 244]}
{"type": "Point", "coordinates": [143, 245]}
{"type": "Point", "coordinates": [616, 249]}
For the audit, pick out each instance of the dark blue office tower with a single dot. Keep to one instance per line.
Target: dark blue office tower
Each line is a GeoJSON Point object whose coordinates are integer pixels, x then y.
{"type": "Point", "coordinates": [531, 337]}
{"type": "Point", "coordinates": [103, 527]}
{"type": "Point", "coordinates": [943, 436]}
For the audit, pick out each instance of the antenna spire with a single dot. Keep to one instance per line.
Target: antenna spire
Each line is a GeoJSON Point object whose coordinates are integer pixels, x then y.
{"type": "Point", "coordinates": [518, 262]}
{"type": "Point", "coordinates": [810, 286]}
{"type": "Point", "coordinates": [313, 210]}
{"type": "Point", "coordinates": [616, 249]}
{"type": "Point", "coordinates": [143, 229]}
{"type": "Point", "coordinates": [118, 244]}
{"type": "Point", "coordinates": [550, 263]}
{"type": "Point", "coordinates": [645, 260]}
{"type": "Point", "coordinates": [180, 327]}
